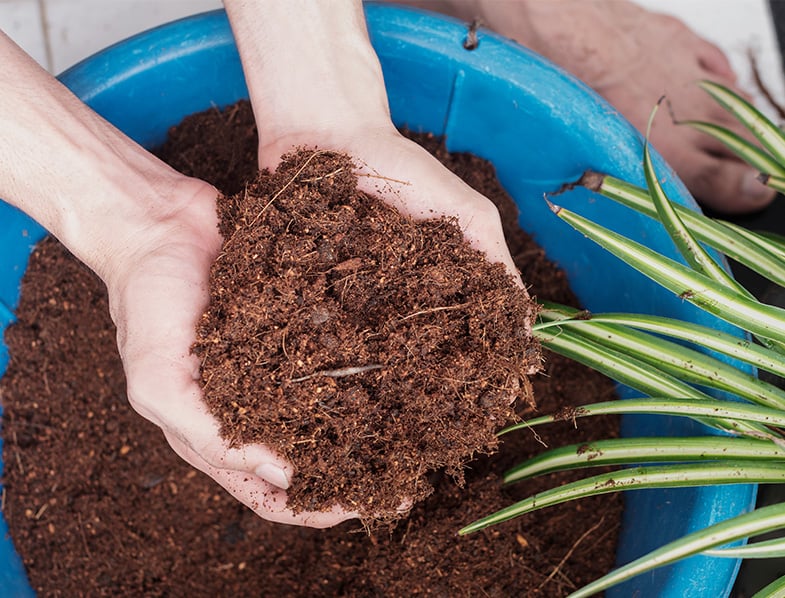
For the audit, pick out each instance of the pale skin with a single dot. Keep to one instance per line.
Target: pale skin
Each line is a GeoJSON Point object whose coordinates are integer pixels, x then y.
{"type": "Point", "coordinates": [150, 233]}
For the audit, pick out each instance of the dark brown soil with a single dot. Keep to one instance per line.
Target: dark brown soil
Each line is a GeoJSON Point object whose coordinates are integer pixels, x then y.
{"type": "Point", "coordinates": [98, 505]}
{"type": "Point", "coordinates": [366, 348]}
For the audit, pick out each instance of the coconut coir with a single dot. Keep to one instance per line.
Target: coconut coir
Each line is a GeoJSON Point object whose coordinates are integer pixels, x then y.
{"type": "Point", "coordinates": [98, 505]}
{"type": "Point", "coordinates": [366, 348]}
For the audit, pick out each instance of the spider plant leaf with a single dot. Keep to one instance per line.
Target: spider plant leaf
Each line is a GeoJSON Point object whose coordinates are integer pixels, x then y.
{"type": "Point", "coordinates": [775, 238]}
{"type": "Point", "coordinates": [618, 366]}
{"type": "Point", "coordinates": [774, 181]}
{"type": "Point", "coordinates": [771, 242]}
{"type": "Point", "coordinates": [747, 151]}
{"type": "Point", "coordinates": [759, 521]}
{"type": "Point", "coordinates": [636, 451]}
{"type": "Point", "coordinates": [682, 362]}
{"type": "Point", "coordinates": [767, 549]}
{"type": "Point", "coordinates": [756, 123]}
{"type": "Point", "coordinates": [641, 478]}
{"type": "Point", "coordinates": [692, 408]}
{"type": "Point", "coordinates": [553, 315]}
{"type": "Point", "coordinates": [753, 250]}
{"type": "Point", "coordinates": [643, 376]}
{"type": "Point", "coordinates": [775, 588]}
{"type": "Point", "coordinates": [760, 319]}
{"type": "Point", "coordinates": [689, 248]}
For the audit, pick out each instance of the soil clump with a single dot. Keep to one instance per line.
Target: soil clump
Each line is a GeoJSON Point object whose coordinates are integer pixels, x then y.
{"type": "Point", "coordinates": [366, 348]}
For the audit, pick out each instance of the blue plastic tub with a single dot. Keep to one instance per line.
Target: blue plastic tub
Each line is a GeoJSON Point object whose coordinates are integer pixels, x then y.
{"type": "Point", "coordinates": [539, 127]}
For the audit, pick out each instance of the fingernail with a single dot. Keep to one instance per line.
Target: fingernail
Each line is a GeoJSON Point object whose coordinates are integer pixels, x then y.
{"type": "Point", "coordinates": [273, 474]}
{"type": "Point", "coordinates": [752, 188]}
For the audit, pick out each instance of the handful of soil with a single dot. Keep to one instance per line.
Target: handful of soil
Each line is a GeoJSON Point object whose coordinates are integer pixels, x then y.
{"type": "Point", "coordinates": [365, 347]}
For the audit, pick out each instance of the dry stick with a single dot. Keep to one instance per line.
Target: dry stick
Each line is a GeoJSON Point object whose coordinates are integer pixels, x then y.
{"type": "Point", "coordinates": [434, 309]}
{"type": "Point", "coordinates": [762, 87]}
{"type": "Point", "coordinates": [84, 538]}
{"type": "Point", "coordinates": [340, 373]}
{"type": "Point", "coordinates": [572, 549]}
{"type": "Point", "coordinates": [329, 175]}
{"type": "Point", "coordinates": [383, 178]}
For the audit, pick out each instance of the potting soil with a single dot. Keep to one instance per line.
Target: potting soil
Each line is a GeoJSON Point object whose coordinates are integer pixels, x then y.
{"type": "Point", "coordinates": [98, 504]}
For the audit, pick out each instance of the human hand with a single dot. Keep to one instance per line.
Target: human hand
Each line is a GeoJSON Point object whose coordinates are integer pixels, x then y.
{"type": "Point", "coordinates": [632, 57]}
{"type": "Point", "coordinates": [151, 234]}
{"type": "Point", "coordinates": [324, 48]}
{"type": "Point", "coordinates": [157, 293]}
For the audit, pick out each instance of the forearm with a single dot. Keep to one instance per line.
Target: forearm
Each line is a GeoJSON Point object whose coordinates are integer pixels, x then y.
{"type": "Point", "coordinates": [309, 65]}
{"type": "Point", "coordinates": [78, 176]}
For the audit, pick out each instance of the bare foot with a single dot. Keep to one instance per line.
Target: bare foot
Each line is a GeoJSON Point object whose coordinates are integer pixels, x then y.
{"type": "Point", "coordinates": [632, 57]}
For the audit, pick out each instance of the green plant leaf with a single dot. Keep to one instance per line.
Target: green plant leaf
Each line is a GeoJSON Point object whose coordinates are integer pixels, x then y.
{"type": "Point", "coordinates": [692, 408]}
{"type": "Point", "coordinates": [770, 242]}
{"type": "Point", "coordinates": [760, 521]}
{"type": "Point", "coordinates": [618, 366]}
{"type": "Point", "coordinates": [634, 451]}
{"type": "Point", "coordinates": [710, 338]}
{"type": "Point", "coordinates": [638, 374]}
{"type": "Point", "coordinates": [686, 364]}
{"type": "Point", "coordinates": [756, 123]}
{"type": "Point", "coordinates": [763, 320]}
{"type": "Point", "coordinates": [768, 549]}
{"type": "Point", "coordinates": [755, 251]}
{"type": "Point", "coordinates": [690, 249]}
{"type": "Point", "coordinates": [749, 152]}
{"type": "Point", "coordinates": [640, 478]}
{"type": "Point", "coordinates": [775, 589]}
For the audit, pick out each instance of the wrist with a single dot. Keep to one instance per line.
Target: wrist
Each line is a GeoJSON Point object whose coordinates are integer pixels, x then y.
{"type": "Point", "coordinates": [83, 180]}
{"type": "Point", "coordinates": [311, 74]}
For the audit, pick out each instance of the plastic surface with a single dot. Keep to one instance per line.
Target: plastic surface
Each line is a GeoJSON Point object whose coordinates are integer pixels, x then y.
{"type": "Point", "coordinates": [537, 125]}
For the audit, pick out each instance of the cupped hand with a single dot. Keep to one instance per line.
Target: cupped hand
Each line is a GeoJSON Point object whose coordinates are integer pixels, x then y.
{"type": "Point", "coordinates": [157, 295]}
{"type": "Point", "coordinates": [409, 178]}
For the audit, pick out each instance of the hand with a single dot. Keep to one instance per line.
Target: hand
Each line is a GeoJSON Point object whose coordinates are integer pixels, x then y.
{"type": "Point", "coordinates": [632, 57]}
{"type": "Point", "coordinates": [324, 48]}
{"type": "Point", "coordinates": [157, 294]}
{"type": "Point", "coordinates": [151, 235]}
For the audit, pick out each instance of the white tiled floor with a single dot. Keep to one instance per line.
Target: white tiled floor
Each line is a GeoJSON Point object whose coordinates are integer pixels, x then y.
{"type": "Point", "coordinates": [59, 33]}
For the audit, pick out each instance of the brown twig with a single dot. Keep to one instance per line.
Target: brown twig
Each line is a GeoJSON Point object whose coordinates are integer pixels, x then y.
{"type": "Point", "coordinates": [289, 182]}
{"type": "Point", "coordinates": [340, 373]}
{"type": "Point", "coordinates": [434, 309]}
{"type": "Point", "coordinates": [762, 87]}
{"type": "Point", "coordinates": [573, 548]}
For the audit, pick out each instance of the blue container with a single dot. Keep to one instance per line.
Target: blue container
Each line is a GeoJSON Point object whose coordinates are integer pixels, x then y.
{"type": "Point", "coordinates": [539, 127]}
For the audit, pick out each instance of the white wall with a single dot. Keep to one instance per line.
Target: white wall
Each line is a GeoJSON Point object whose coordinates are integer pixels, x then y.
{"type": "Point", "coordinates": [59, 33]}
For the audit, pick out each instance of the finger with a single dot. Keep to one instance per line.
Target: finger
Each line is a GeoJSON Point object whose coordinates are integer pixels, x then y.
{"type": "Point", "coordinates": [264, 499]}
{"type": "Point", "coordinates": [181, 412]}
{"type": "Point", "coordinates": [713, 59]}
{"type": "Point", "coordinates": [163, 376]}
